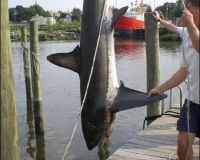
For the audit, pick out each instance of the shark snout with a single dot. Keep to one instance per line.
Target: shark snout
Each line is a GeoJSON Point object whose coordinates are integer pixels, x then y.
{"type": "Point", "coordinates": [50, 58]}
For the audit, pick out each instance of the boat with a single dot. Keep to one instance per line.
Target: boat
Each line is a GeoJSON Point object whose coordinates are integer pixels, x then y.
{"type": "Point", "coordinates": [132, 23]}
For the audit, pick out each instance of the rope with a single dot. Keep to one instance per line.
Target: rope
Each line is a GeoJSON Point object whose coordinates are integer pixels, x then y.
{"type": "Point", "coordinates": [35, 60]}
{"type": "Point", "coordinates": [88, 83]}
{"type": "Point", "coordinates": [25, 67]}
{"type": "Point", "coordinates": [187, 102]}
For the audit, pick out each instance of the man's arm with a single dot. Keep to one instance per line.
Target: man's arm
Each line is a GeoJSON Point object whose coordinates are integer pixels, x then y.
{"type": "Point", "coordinates": [174, 81]}
{"type": "Point", "coordinates": [187, 20]}
{"type": "Point", "coordinates": [164, 23]}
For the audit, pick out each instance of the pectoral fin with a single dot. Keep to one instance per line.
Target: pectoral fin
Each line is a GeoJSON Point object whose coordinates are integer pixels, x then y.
{"type": "Point", "coordinates": [69, 60]}
{"type": "Point", "coordinates": [128, 98]}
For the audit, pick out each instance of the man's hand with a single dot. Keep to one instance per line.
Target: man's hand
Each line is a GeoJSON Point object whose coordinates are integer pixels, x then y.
{"type": "Point", "coordinates": [156, 15]}
{"type": "Point", "coordinates": [155, 91]}
{"type": "Point", "coordinates": [187, 18]}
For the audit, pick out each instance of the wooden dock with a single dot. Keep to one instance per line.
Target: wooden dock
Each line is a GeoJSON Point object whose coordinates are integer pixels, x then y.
{"type": "Point", "coordinates": [157, 142]}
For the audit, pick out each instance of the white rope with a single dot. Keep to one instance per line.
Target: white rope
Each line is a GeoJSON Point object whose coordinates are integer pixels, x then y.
{"type": "Point", "coordinates": [188, 101]}
{"type": "Point", "coordinates": [88, 83]}
{"type": "Point", "coordinates": [25, 67]}
{"type": "Point", "coordinates": [35, 60]}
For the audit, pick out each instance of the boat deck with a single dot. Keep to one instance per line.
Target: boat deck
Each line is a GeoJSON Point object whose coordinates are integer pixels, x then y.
{"type": "Point", "coordinates": [156, 142]}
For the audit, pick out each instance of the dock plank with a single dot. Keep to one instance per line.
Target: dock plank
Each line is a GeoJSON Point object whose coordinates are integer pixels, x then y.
{"type": "Point", "coordinates": [156, 142]}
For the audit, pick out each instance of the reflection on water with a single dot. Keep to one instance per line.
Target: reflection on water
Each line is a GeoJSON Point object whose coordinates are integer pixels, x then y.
{"type": "Point", "coordinates": [61, 100]}
{"type": "Point", "coordinates": [129, 48]}
{"type": "Point", "coordinates": [30, 131]}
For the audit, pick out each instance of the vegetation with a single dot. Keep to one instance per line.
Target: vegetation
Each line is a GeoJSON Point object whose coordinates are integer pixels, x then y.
{"type": "Point", "coordinates": [167, 35]}
{"type": "Point", "coordinates": [65, 30]}
{"type": "Point", "coordinates": [20, 13]}
{"type": "Point", "coordinates": [170, 10]}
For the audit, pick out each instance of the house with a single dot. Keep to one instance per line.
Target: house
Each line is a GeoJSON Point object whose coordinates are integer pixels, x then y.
{"type": "Point", "coordinates": [44, 20]}
{"type": "Point", "coordinates": [68, 18]}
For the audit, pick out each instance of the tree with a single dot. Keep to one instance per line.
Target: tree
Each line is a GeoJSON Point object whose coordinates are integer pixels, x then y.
{"type": "Point", "coordinates": [62, 14]}
{"type": "Point", "coordinates": [76, 14]}
{"type": "Point", "coordinates": [170, 10]}
{"type": "Point", "coordinates": [20, 13]}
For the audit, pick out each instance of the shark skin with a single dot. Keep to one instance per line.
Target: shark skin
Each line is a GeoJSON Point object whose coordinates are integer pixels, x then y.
{"type": "Point", "coordinates": [105, 96]}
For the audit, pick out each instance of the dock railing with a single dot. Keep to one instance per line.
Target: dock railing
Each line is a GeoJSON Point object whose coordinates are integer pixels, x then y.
{"type": "Point", "coordinates": [170, 111]}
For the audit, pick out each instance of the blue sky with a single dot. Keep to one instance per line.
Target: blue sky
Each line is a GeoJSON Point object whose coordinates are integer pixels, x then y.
{"type": "Point", "coordinates": [67, 5]}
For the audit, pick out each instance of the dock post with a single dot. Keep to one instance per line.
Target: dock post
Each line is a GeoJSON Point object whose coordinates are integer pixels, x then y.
{"type": "Point", "coordinates": [35, 75]}
{"type": "Point", "coordinates": [153, 63]}
{"type": "Point", "coordinates": [9, 124]}
{"type": "Point", "coordinates": [27, 71]}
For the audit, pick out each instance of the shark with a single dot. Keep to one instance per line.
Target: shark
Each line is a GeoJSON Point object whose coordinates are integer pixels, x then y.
{"type": "Point", "coordinates": [105, 95]}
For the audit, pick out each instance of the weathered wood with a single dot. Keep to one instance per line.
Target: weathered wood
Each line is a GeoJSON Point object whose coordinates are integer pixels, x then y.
{"type": "Point", "coordinates": [27, 71]}
{"type": "Point", "coordinates": [35, 75]}
{"type": "Point", "coordinates": [152, 56]}
{"type": "Point", "coordinates": [9, 127]}
{"type": "Point", "coordinates": [158, 141]}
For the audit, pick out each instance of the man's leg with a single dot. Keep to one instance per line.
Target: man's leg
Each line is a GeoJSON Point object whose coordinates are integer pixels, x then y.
{"type": "Point", "coordinates": [185, 142]}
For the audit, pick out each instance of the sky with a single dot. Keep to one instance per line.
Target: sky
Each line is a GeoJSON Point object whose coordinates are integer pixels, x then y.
{"type": "Point", "coordinates": [68, 5]}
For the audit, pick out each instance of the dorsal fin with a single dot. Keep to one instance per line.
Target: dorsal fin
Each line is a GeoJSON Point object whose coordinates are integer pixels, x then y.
{"type": "Point", "coordinates": [117, 13]}
{"type": "Point", "coordinates": [69, 60]}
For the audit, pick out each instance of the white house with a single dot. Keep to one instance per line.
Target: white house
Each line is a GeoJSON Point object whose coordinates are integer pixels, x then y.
{"type": "Point", "coordinates": [44, 20]}
{"type": "Point", "coordinates": [68, 18]}
{"type": "Point", "coordinates": [50, 20]}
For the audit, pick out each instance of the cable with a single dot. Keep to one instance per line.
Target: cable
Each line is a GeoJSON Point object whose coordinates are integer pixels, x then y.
{"type": "Point", "coordinates": [188, 101]}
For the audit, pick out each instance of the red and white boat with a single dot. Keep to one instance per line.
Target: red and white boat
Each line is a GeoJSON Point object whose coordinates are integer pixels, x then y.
{"type": "Point", "coordinates": [132, 23]}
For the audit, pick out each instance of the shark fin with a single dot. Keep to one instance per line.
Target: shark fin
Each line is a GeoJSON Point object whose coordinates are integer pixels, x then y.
{"type": "Point", "coordinates": [69, 60]}
{"type": "Point", "coordinates": [117, 15]}
{"type": "Point", "coordinates": [128, 98]}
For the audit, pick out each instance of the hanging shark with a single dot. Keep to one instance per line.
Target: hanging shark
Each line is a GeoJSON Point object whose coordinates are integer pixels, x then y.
{"type": "Point", "coordinates": [105, 95]}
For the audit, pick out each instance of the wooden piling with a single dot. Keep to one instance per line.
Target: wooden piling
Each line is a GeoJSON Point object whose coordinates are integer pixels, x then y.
{"type": "Point", "coordinates": [8, 115]}
{"type": "Point", "coordinates": [35, 75]}
{"type": "Point", "coordinates": [27, 71]}
{"type": "Point", "coordinates": [152, 56]}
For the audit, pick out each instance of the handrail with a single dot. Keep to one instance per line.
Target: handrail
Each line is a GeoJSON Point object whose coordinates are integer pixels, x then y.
{"type": "Point", "coordinates": [175, 114]}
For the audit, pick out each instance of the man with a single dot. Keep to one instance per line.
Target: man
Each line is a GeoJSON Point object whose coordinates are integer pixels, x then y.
{"type": "Point", "coordinates": [189, 68]}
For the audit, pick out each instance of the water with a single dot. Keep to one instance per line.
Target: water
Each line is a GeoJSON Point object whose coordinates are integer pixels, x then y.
{"type": "Point", "coordinates": [61, 99]}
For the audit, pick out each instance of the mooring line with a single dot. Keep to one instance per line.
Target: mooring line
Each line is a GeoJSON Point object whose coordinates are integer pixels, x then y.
{"type": "Point", "coordinates": [88, 83]}
{"type": "Point", "coordinates": [34, 65]}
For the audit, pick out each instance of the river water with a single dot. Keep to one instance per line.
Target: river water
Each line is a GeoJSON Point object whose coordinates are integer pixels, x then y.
{"type": "Point", "coordinates": [61, 99]}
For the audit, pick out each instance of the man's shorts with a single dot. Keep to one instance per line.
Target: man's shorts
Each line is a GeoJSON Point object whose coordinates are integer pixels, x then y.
{"type": "Point", "coordinates": [194, 119]}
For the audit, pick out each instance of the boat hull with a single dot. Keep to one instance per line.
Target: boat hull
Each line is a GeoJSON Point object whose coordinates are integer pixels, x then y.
{"type": "Point", "coordinates": [130, 28]}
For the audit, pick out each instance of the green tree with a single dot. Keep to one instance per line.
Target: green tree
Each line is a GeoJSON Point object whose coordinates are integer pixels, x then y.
{"type": "Point", "coordinates": [62, 14]}
{"type": "Point", "coordinates": [167, 9]}
{"type": "Point", "coordinates": [171, 10]}
{"type": "Point", "coordinates": [76, 14]}
{"type": "Point", "coordinates": [20, 13]}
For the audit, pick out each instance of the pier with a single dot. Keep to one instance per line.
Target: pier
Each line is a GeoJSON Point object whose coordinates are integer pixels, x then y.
{"type": "Point", "coordinates": [157, 142]}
